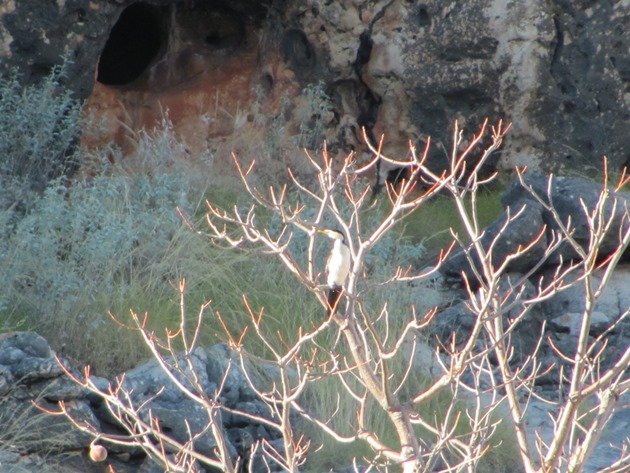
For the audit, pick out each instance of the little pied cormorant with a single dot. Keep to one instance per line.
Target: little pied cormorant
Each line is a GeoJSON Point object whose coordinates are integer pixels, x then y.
{"type": "Point", "coordinates": [337, 268]}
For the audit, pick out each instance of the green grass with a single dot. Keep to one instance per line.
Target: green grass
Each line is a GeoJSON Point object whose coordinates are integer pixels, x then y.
{"type": "Point", "coordinates": [501, 458]}
{"type": "Point", "coordinates": [327, 396]}
{"type": "Point", "coordinates": [431, 223]}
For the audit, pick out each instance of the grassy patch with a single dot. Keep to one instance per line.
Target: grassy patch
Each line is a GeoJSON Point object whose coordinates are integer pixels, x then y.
{"type": "Point", "coordinates": [431, 223]}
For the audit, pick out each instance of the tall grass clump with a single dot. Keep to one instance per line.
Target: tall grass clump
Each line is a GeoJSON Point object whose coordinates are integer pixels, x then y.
{"type": "Point", "coordinates": [85, 248]}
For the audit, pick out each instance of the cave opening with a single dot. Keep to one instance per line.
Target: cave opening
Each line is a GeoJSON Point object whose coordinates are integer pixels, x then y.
{"type": "Point", "coordinates": [133, 43]}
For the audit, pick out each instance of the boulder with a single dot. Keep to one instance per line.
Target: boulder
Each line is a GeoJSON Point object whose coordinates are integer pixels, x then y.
{"type": "Point", "coordinates": [32, 382]}
{"type": "Point", "coordinates": [224, 367]}
{"type": "Point", "coordinates": [459, 320]}
{"type": "Point", "coordinates": [612, 302]}
{"type": "Point", "coordinates": [610, 315]}
{"type": "Point", "coordinates": [501, 241]}
{"type": "Point", "coordinates": [568, 195]}
{"type": "Point", "coordinates": [528, 217]}
{"type": "Point", "coordinates": [149, 379]}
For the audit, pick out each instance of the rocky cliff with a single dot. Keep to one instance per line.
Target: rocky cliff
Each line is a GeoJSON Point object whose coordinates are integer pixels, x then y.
{"type": "Point", "coordinates": [270, 75]}
{"type": "Point", "coordinates": [267, 75]}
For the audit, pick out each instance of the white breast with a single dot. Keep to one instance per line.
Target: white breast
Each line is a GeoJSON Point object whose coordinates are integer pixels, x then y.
{"type": "Point", "coordinates": [338, 265]}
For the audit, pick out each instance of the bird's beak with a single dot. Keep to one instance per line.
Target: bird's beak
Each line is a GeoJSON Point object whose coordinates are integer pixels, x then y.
{"type": "Point", "coordinates": [322, 231]}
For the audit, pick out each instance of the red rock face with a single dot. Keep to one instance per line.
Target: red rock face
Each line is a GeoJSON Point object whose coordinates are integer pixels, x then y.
{"type": "Point", "coordinates": [217, 87]}
{"type": "Point", "coordinates": [204, 100]}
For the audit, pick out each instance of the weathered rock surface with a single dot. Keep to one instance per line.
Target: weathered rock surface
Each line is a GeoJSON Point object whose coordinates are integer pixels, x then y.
{"type": "Point", "coordinates": [29, 373]}
{"type": "Point", "coordinates": [234, 74]}
{"type": "Point", "coordinates": [570, 196]}
{"type": "Point", "coordinates": [34, 36]}
{"type": "Point", "coordinates": [614, 435]}
{"type": "Point", "coordinates": [31, 381]}
{"type": "Point", "coordinates": [516, 228]}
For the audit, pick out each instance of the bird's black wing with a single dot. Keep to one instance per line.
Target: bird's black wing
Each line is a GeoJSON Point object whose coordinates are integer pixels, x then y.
{"type": "Point", "coordinates": [334, 294]}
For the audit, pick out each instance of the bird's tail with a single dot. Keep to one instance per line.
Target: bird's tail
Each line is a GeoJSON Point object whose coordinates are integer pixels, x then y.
{"type": "Point", "coordinates": [334, 294]}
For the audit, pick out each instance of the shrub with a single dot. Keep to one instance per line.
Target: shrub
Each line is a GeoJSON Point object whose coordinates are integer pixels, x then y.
{"type": "Point", "coordinates": [88, 246]}
{"type": "Point", "coordinates": [39, 126]}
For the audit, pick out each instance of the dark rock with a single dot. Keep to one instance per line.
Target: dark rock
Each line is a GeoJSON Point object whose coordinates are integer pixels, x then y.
{"type": "Point", "coordinates": [298, 53]}
{"type": "Point", "coordinates": [60, 388]}
{"type": "Point", "coordinates": [514, 293]}
{"type": "Point", "coordinates": [102, 384]}
{"type": "Point", "coordinates": [26, 358]}
{"type": "Point", "coordinates": [6, 380]}
{"type": "Point", "coordinates": [11, 355]}
{"type": "Point", "coordinates": [582, 111]}
{"type": "Point", "coordinates": [34, 37]}
{"type": "Point", "coordinates": [570, 322]}
{"type": "Point", "coordinates": [459, 320]}
{"type": "Point", "coordinates": [242, 440]}
{"type": "Point", "coordinates": [36, 368]}
{"type": "Point", "coordinates": [32, 382]}
{"type": "Point", "coordinates": [612, 302]}
{"type": "Point", "coordinates": [150, 379]}
{"type": "Point", "coordinates": [25, 425]}
{"type": "Point", "coordinates": [565, 309]}
{"type": "Point", "coordinates": [178, 415]}
{"type": "Point", "coordinates": [456, 320]}
{"type": "Point", "coordinates": [182, 418]}
{"type": "Point", "coordinates": [224, 368]}
{"type": "Point", "coordinates": [30, 343]}
{"type": "Point", "coordinates": [525, 225]}
{"type": "Point", "coordinates": [264, 463]}
{"type": "Point", "coordinates": [150, 465]}
{"type": "Point", "coordinates": [566, 195]}
{"type": "Point", "coordinates": [253, 408]}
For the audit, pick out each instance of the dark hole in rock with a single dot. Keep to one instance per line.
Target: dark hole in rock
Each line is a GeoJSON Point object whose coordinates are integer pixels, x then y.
{"type": "Point", "coordinates": [213, 39]}
{"type": "Point", "coordinates": [569, 106]}
{"type": "Point", "coordinates": [423, 17]}
{"type": "Point", "coordinates": [133, 43]}
{"type": "Point", "coordinates": [266, 81]}
{"type": "Point", "coordinates": [364, 51]}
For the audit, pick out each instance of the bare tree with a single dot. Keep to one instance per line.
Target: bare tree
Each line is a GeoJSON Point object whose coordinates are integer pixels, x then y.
{"type": "Point", "coordinates": [372, 354]}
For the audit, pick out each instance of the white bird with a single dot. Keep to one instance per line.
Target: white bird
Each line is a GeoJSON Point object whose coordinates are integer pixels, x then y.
{"type": "Point", "coordinates": [337, 267]}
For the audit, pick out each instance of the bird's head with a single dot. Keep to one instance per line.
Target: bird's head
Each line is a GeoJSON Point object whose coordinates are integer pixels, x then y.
{"type": "Point", "coordinates": [332, 234]}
